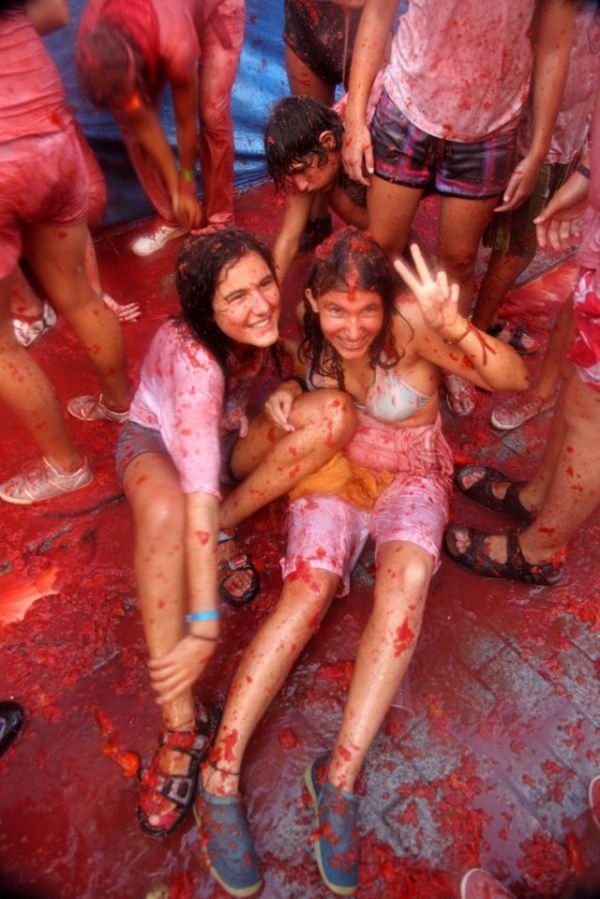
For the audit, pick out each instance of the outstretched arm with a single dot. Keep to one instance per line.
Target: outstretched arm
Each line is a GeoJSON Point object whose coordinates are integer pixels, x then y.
{"type": "Point", "coordinates": [448, 339]}
{"type": "Point", "coordinates": [551, 64]}
{"type": "Point", "coordinates": [297, 212]}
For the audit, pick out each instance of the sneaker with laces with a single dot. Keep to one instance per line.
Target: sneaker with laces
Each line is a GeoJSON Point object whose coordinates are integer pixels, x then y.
{"type": "Point", "coordinates": [41, 480]}
{"type": "Point", "coordinates": [91, 408]}
{"type": "Point", "coordinates": [154, 240]}
{"type": "Point", "coordinates": [518, 409]}
{"type": "Point", "coordinates": [478, 884]}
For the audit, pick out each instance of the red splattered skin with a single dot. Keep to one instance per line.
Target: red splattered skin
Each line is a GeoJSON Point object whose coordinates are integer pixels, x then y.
{"type": "Point", "coordinates": [404, 638]}
{"type": "Point", "coordinates": [202, 537]}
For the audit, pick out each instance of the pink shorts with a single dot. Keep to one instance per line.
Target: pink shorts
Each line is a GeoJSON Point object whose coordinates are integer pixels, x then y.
{"type": "Point", "coordinates": [43, 180]}
{"type": "Point", "coordinates": [329, 533]}
{"type": "Point", "coordinates": [585, 349]}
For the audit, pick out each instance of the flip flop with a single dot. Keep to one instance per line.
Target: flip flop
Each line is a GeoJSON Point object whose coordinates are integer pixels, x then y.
{"type": "Point", "coordinates": [481, 491]}
{"type": "Point", "coordinates": [516, 567]}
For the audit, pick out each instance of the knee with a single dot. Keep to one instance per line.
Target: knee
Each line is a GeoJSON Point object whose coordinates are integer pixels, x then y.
{"type": "Point", "coordinates": [160, 523]}
{"type": "Point", "coordinates": [403, 593]}
{"type": "Point", "coordinates": [339, 416]}
{"type": "Point", "coordinates": [459, 263]}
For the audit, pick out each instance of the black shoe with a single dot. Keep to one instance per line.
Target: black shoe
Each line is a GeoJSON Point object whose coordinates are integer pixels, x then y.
{"type": "Point", "coordinates": [12, 717]}
{"type": "Point", "coordinates": [315, 232]}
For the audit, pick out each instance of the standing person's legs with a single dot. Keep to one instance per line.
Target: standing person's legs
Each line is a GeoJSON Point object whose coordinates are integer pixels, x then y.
{"type": "Point", "coordinates": [26, 390]}
{"type": "Point", "coordinates": [391, 209]}
{"type": "Point", "coordinates": [221, 41]}
{"type": "Point", "coordinates": [502, 271]}
{"type": "Point", "coordinates": [57, 254]}
{"type": "Point", "coordinates": [462, 223]}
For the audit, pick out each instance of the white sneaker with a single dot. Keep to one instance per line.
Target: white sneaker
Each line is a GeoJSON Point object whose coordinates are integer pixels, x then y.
{"type": "Point", "coordinates": [520, 408]}
{"type": "Point", "coordinates": [155, 239]}
{"type": "Point", "coordinates": [478, 884]}
{"type": "Point", "coordinates": [92, 408]}
{"type": "Point", "coordinates": [40, 481]}
{"type": "Point", "coordinates": [27, 332]}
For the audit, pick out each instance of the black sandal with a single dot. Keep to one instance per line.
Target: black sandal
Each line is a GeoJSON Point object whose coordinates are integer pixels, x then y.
{"type": "Point", "coordinates": [180, 789]}
{"type": "Point", "coordinates": [516, 567]}
{"type": "Point", "coordinates": [482, 492]}
{"type": "Point", "coordinates": [241, 562]}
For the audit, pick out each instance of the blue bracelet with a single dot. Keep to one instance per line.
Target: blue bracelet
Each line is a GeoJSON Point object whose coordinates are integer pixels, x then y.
{"type": "Point", "coordinates": [209, 615]}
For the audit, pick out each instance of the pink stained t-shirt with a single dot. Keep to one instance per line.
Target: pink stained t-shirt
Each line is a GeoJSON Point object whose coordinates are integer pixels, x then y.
{"type": "Point", "coordinates": [572, 122]}
{"type": "Point", "coordinates": [176, 43]}
{"type": "Point", "coordinates": [461, 69]}
{"type": "Point", "coordinates": [32, 100]}
{"type": "Point", "coordinates": [181, 394]}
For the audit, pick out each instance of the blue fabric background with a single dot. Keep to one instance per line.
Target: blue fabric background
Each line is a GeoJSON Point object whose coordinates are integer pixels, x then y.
{"type": "Point", "coordinates": [261, 81]}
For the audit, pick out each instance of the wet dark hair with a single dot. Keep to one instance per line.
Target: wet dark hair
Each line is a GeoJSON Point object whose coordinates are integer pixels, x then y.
{"type": "Point", "coordinates": [350, 260]}
{"type": "Point", "coordinates": [292, 133]}
{"type": "Point", "coordinates": [110, 66]}
{"type": "Point", "coordinates": [202, 260]}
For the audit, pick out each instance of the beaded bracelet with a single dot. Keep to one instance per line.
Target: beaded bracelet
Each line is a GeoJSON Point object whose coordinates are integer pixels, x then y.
{"type": "Point", "coordinates": [207, 615]}
{"type": "Point", "coordinates": [202, 637]}
{"type": "Point", "coordinates": [583, 170]}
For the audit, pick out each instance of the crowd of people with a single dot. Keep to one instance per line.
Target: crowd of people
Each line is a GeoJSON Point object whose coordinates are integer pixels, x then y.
{"type": "Point", "coordinates": [491, 113]}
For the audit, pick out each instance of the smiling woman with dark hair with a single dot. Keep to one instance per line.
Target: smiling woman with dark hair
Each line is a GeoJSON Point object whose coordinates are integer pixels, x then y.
{"type": "Point", "coordinates": [188, 433]}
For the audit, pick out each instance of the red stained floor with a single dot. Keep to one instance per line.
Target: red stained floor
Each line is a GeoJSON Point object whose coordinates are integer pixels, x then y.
{"type": "Point", "coordinates": [484, 758]}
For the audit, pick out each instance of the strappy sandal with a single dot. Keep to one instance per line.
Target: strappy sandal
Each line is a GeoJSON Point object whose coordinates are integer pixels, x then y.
{"type": "Point", "coordinates": [516, 567]}
{"type": "Point", "coordinates": [482, 492]}
{"type": "Point", "coordinates": [180, 789]}
{"type": "Point", "coordinates": [228, 567]}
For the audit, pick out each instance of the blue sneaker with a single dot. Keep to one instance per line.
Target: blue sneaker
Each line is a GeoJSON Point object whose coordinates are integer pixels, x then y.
{"type": "Point", "coordinates": [336, 848]}
{"type": "Point", "coordinates": [227, 843]}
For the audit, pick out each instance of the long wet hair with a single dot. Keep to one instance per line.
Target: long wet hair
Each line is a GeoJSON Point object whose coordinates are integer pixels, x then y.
{"type": "Point", "coordinates": [292, 133]}
{"type": "Point", "coordinates": [350, 260]}
{"type": "Point", "coordinates": [203, 259]}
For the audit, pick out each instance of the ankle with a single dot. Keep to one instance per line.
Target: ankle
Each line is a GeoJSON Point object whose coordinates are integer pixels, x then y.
{"type": "Point", "coordinates": [219, 780]}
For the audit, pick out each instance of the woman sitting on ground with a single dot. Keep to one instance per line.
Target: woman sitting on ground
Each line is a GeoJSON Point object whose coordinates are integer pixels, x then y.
{"type": "Point", "coordinates": [392, 481]}
{"type": "Point", "coordinates": [187, 430]}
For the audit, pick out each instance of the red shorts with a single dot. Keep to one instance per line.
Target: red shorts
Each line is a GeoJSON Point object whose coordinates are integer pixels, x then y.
{"type": "Point", "coordinates": [43, 180]}
{"type": "Point", "coordinates": [585, 349]}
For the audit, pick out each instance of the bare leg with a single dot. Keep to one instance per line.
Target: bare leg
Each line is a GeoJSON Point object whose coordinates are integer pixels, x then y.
{"type": "Point", "coordinates": [386, 647]}
{"type": "Point", "coordinates": [462, 223]}
{"type": "Point", "coordinates": [272, 461]}
{"type": "Point", "coordinates": [502, 272]}
{"type": "Point", "coordinates": [57, 256]}
{"type": "Point", "coordinates": [152, 488]}
{"type": "Point", "coordinates": [26, 390]}
{"type": "Point", "coordinates": [568, 479]}
{"type": "Point", "coordinates": [264, 667]}
{"type": "Point", "coordinates": [391, 209]}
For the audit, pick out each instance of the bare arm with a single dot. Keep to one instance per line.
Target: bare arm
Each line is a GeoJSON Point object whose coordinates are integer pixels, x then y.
{"type": "Point", "coordinates": [185, 105]}
{"type": "Point", "coordinates": [297, 211]}
{"type": "Point", "coordinates": [367, 58]}
{"type": "Point", "coordinates": [47, 15]}
{"type": "Point", "coordinates": [551, 64]}
{"type": "Point", "coordinates": [449, 340]}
